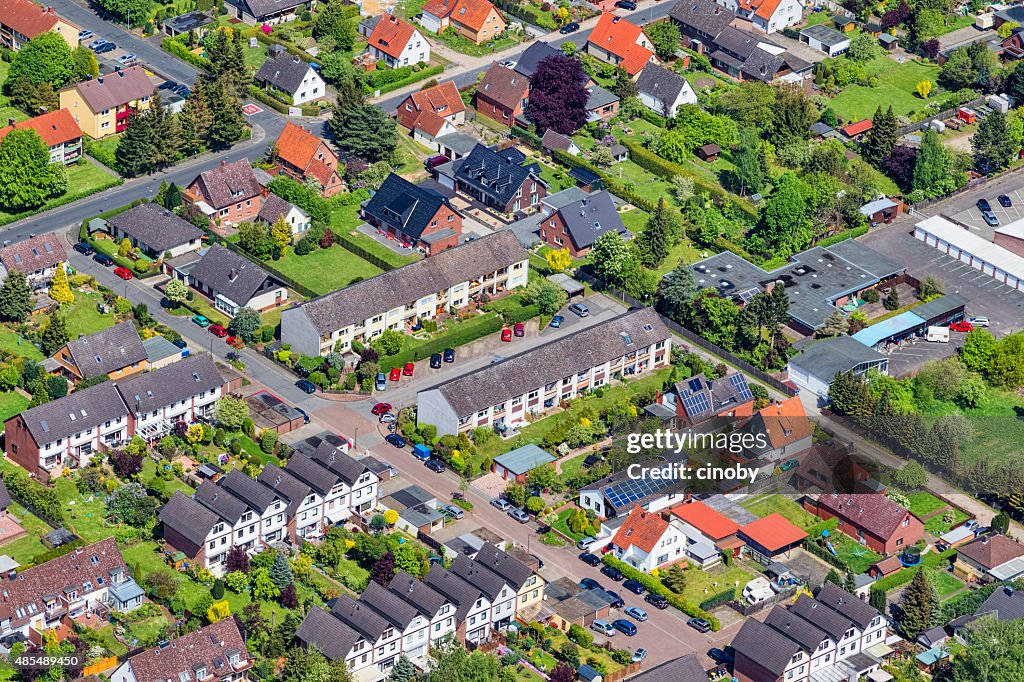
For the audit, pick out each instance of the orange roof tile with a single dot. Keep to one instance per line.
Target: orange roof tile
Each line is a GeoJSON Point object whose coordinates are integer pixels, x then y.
{"type": "Point", "coordinates": [786, 422]}
{"type": "Point", "coordinates": [705, 519]}
{"type": "Point", "coordinates": [55, 127]}
{"type": "Point", "coordinates": [641, 528]}
{"type": "Point", "coordinates": [297, 145]}
{"type": "Point", "coordinates": [439, 8]}
{"type": "Point", "coordinates": [858, 127]}
{"type": "Point", "coordinates": [430, 123]}
{"type": "Point", "coordinates": [620, 37]}
{"type": "Point", "coordinates": [443, 99]}
{"type": "Point", "coordinates": [321, 171]}
{"type": "Point", "coordinates": [472, 13]}
{"type": "Point", "coordinates": [773, 532]}
{"type": "Point", "coordinates": [391, 35]}
{"type": "Point", "coordinates": [762, 8]}
{"type": "Point", "coordinates": [27, 18]}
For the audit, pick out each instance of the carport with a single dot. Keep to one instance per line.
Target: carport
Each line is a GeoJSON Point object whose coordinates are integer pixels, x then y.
{"type": "Point", "coordinates": [943, 310]}
{"type": "Point", "coordinates": [571, 286]}
{"type": "Point", "coordinates": [894, 330]}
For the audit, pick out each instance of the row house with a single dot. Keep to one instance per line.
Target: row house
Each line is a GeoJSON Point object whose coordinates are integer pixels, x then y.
{"type": "Point", "coordinates": [511, 393]}
{"type": "Point", "coordinates": [38, 598]}
{"type": "Point", "coordinates": [116, 352]}
{"type": "Point", "coordinates": [65, 433]}
{"type": "Point", "coordinates": [101, 106]}
{"type": "Point", "coordinates": [215, 653]}
{"type": "Point", "coordinates": [497, 591]}
{"type": "Point", "coordinates": [400, 298]}
{"type": "Point", "coordinates": [58, 131]}
{"type": "Point", "coordinates": [281, 505]}
{"type": "Point", "coordinates": [473, 623]}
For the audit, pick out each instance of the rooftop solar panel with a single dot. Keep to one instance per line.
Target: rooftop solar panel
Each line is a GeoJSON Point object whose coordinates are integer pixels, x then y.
{"type": "Point", "coordinates": [694, 384]}
{"type": "Point", "coordinates": [696, 404]}
{"type": "Point", "coordinates": [740, 383]}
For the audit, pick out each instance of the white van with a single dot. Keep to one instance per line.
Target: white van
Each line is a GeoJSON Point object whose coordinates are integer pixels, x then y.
{"type": "Point", "coordinates": [938, 334]}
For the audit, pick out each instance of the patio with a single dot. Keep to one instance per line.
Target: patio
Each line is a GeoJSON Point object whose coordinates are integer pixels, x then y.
{"type": "Point", "coordinates": [382, 238]}
{"type": "Point", "coordinates": [10, 529]}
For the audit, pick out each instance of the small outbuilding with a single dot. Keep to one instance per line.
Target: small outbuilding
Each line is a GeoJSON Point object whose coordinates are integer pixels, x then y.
{"type": "Point", "coordinates": [708, 152]}
{"type": "Point", "coordinates": [825, 39]}
{"type": "Point", "coordinates": [889, 42]}
{"type": "Point", "coordinates": [515, 465]}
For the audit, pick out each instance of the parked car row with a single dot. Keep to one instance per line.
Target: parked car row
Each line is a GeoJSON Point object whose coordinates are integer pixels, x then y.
{"type": "Point", "coordinates": [986, 209]}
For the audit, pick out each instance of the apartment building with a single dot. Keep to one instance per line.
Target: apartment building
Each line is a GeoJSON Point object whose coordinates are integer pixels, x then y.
{"type": "Point", "coordinates": [57, 130]}
{"type": "Point", "coordinates": [215, 653]}
{"type": "Point", "coordinates": [37, 598]}
{"type": "Point", "coordinates": [23, 20]}
{"type": "Point", "coordinates": [531, 383]}
{"type": "Point", "coordinates": [101, 106]}
{"type": "Point", "coordinates": [396, 299]}
{"type": "Point", "coordinates": [65, 433]}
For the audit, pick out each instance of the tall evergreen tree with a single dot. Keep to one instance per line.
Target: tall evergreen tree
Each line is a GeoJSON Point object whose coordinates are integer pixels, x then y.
{"type": "Point", "coordinates": [40, 396]}
{"type": "Point", "coordinates": [165, 132]}
{"type": "Point", "coordinates": [60, 289]}
{"type": "Point", "coordinates": [833, 577]}
{"type": "Point", "coordinates": [15, 297]}
{"type": "Point", "coordinates": [55, 335]}
{"type": "Point", "coordinates": [228, 124]}
{"type": "Point", "coordinates": [882, 137]}
{"type": "Point", "coordinates": [281, 572]}
{"type": "Point", "coordinates": [654, 242]}
{"type": "Point", "coordinates": [916, 606]}
{"type": "Point", "coordinates": [172, 200]}
{"type": "Point", "coordinates": [849, 582]}
{"type": "Point", "coordinates": [135, 149]}
{"type": "Point", "coordinates": [675, 291]}
{"type": "Point", "coordinates": [365, 130]}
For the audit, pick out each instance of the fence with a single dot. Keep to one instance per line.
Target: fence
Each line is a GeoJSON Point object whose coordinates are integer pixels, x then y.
{"type": "Point", "coordinates": [346, 243]}
{"type": "Point", "coordinates": [944, 114]}
{"type": "Point", "coordinates": [836, 8]}
{"type": "Point", "coordinates": [99, 666]}
{"type": "Point", "coordinates": [747, 368]}
{"type": "Point", "coordinates": [971, 185]}
{"type": "Point", "coordinates": [751, 609]}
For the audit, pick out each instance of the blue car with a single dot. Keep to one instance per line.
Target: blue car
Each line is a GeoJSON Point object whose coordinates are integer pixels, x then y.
{"type": "Point", "coordinates": [395, 439]}
{"type": "Point", "coordinates": [634, 587]}
{"type": "Point", "coordinates": [556, 321]}
{"type": "Point", "coordinates": [590, 584]}
{"type": "Point", "coordinates": [624, 626]}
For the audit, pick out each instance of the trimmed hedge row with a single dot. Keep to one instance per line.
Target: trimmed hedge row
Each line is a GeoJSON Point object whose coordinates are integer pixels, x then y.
{"type": "Point", "coordinates": [654, 585]}
{"type": "Point", "coordinates": [897, 579]}
{"type": "Point", "coordinates": [718, 599]}
{"type": "Point", "coordinates": [279, 106]}
{"type": "Point", "coordinates": [843, 236]}
{"type": "Point", "coordinates": [179, 50]}
{"type": "Point", "coordinates": [61, 201]}
{"type": "Point", "coordinates": [34, 496]}
{"type": "Point", "coordinates": [528, 137]}
{"type": "Point", "coordinates": [465, 332]}
{"type": "Point", "coordinates": [414, 78]}
{"type": "Point", "coordinates": [825, 555]}
{"type": "Point", "coordinates": [346, 242]}
{"type": "Point", "coordinates": [51, 554]}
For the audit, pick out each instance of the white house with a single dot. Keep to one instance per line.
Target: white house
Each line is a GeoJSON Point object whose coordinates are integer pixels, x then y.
{"type": "Point", "coordinates": [473, 608]}
{"type": "Point", "coordinates": [431, 604]}
{"type": "Point", "coordinates": [663, 91]}
{"type": "Point", "coordinates": [291, 77]}
{"type": "Point", "coordinates": [647, 541]}
{"type": "Point", "coordinates": [275, 208]}
{"type": "Point", "coordinates": [397, 43]}
{"type": "Point", "coordinates": [767, 16]}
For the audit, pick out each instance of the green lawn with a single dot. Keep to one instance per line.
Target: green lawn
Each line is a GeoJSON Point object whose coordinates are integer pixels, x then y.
{"type": "Point", "coordinates": [924, 503]}
{"type": "Point", "coordinates": [763, 505]}
{"type": "Point", "coordinates": [944, 582]}
{"type": "Point", "coordinates": [816, 18]}
{"type": "Point", "coordinates": [407, 9]}
{"type": "Point", "coordinates": [957, 21]}
{"type": "Point", "coordinates": [110, 642]}
{"type": "Point", "coordinates": [896, 87]}
{"type": "Point", "coordinates": [12, 342]}
{"type": "Point", "coordinates": [8, 112]}
{"type": "Point", "coordinates": [23, 549]}
{"type": "Point", "coordinates": [573, 467]}
{"type": "Point", "coordinates": [326, 270]}
{"type": "Point", "coordinates": [462, 44]}
{"type": "Point", "coordinates": [937, 525]}
{"type": "Point", "coordinates": [998, 428]}
{"type": "Point", "coordinates": [562, 524]}
{"type": "Point", "coordinates": [11, 403]}
{"type": "Point", "coordinates": [83, 179]}
{"type": "Point", "coordinates": [701, 585]}
{"type": "Point", "coordinates": [82, 317]}
{"type": "Point", "coordinates": [857, 556]}
{"type": "Point", "coordinates": [5, 67]}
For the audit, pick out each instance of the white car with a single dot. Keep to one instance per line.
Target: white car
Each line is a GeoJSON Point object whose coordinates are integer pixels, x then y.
{"type": "Point", "coordinates": [639, 655]}
{"type": "Point", "coordinates": [127, 59]}
{"type": "Point", "coordinates": [387, 418]}
{"type": "Point", "coordinates": [979, 321]}
{"type": "Point", "coordinates": [84, 35]}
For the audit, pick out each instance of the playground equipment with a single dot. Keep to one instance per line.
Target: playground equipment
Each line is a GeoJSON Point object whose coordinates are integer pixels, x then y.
{"type": "Point", "coordinates": [911, 556]}
{"type": "Point", "coordinates": [828, 544]}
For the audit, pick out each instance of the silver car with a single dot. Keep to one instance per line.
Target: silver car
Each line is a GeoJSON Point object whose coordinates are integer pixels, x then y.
{"type": "Point", "coordinates": [501, 503]}
{"type": "Point", "coordinates": [519, 515]}
{"type": "Point", "coordinates": [453, 511]}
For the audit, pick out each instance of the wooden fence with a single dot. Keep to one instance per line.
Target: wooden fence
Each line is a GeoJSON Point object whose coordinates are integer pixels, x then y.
{"type": "Point", "coordinates": [99, 666]}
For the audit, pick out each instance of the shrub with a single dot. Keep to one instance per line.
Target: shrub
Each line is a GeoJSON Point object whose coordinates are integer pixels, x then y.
{"type": "Point", "coordinates": [871, 296]}
{"type": "Point", "coordinates": [654, 585]}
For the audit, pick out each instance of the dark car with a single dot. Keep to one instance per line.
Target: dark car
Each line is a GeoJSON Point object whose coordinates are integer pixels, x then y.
{"type": "Point", "coordinates": [395, 440]}
{"type": "Point", "coordinates": [590, 584]}
{"type": "Point", "coordinates": [1004, 201]}
{"type": "Point", "coordinates": [556, 321]}
{"type": "Point", "coordinates": [167, 85]}
{"type": "Point", "coordinates": [983, 205]}
{"type": "Point", "coordinates": [449, 355]}
{"type": "Point", "coordinates": [590, 559]}
{"type": "Point", "coordinates": [656, 600]}
{"type": "Point", "coordinates": [305, 385]}
{"type": "Point", "coordinates": [84, 249]}
{"type": "Point", "coordinates": [617, 602]}
{"type": "Point", "coordinates": [103, 259]}
{"type": "Point", "coordinates": [106, 47]}
{"type": "Point", "coordinates": [181, 343]}
{"type": "Point", "coordinates": [613, 573]}
{"type": "Point", "coordinates": [719, 656]}
{"type": "Point", "coordinates": [624, 626]}
{"type": "Point", "coordinates": [571, 27]}
{"type": "Point", "coordinates": [699, 624]}
{"type": "Point", "coordinates": [634, 587]}
{"type": "Point", "coordinates": [435, 361]}
{"type": "Point", "coordinates": [626, 4]}
{"type": "Point", "coordinates": [305, 415]}
{"type": "Point", "coordinates": [434, 465]}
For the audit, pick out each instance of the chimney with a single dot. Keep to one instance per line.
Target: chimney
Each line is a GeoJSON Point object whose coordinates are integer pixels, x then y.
{"type": "Point", "coordinates": [120, 73]}
{"type": "Point", "coordinates": [99, 79]}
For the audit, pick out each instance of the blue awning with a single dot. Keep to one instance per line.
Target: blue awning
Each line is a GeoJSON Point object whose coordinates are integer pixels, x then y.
{"type": "Point", "coordinates": [895, 327]}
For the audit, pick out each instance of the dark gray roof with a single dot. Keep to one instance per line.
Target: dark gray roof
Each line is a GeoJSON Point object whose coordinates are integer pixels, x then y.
{"type": "Point", "coordinates": [942, 305]}
{"type": "Point", "coordinates": [820, 128]}
{"type": "Point", "coordinates": [683, 669]}
{"type": "Point", "coordinates": [329, 634]}
{"type": "Point", "coordinates": [702, 16]}
{"type": "Point", "coordinates": [822, 617]}
{"type": "Point", "coordinates": [107, 350]}
{"type": "Point", "coordinates": [763, 65]}
{"type": "Point", "coordinates": [405, 206]}
{"type": "Point", "coordinates": [365, 299]}
{"type": "Point", "coordinates": [660, 83]}
{"type": "Point", "coordinates": [841, 601]}
{"type": "Point", "coordinates": [155, 227]}
{"type": "Point", "coordinates": [739, 43]}
{"type": "Point", "coordinates": [189, 22]}
{"type": "Point", "coordinates": [285, 72]}
{"type": "Point", "coordinates": [263, 8]}
{"type": "Point", "coordinates": [719, 395]}
{"type": "Point", "coordinates": [317, 477]}
{"type": "Point", "coordinates": [598, 97]}
{"type": "Point", "coordinates": [533, 55]}
{"type": "Point", "coordinates": [188, 517]}
{"type": "Point", "coordinates": [825, 35]}
{"type": "Point", "coordinates": [347, 468]}
{"type": "Point", "coordinates": [5, 496]}
{"type": "Point", "coordinates": [796, 628]}
{"type": "Point", "coordinates": [565, 197]}
{"type": "Point", "coordinates": [257, 496]}
{"type": "Point", "coordinates": [1004, 604]}
{"type": "Point", "coordinates": [455, 589]}
{"type": "Point", "coordinates": [493, 174]}
{"type": "Point", "coordinates": [555, 140]}
{"type": "Point", "coordinates": [177, 381]}
{"type": "Point", "coordinates": [83, 409]}
{"type": "Point", "coordinates": [827, 357]}
{"type": "Point", "coordinates": [220, 501]}
{"type": "Point", "coordinates": [552, 361]}
{"type": "Point", "coordinates": [866, 258]}
{"type": "Point", "coordinates": [284, 484]}
{"type": "Point", "coordinates": [491, 584]}
{"type": "Point", "coordinates": [426, 599]}
{"type": "Point", "coordinates": [229, 274]}
{"type": "Point", "coordinates": [460, 143]}
{"type": "Point", "coordinates": [590, 217]}
{"type": "Point", "coordinates": [274, 208]}
{"type": "Point", "coordinates": [388, 605]}
{"type": "Point", "coordinates": [513, 571]}
{"type": "Point", "coordinates": [360, 617]}
{"type": "Point", "coordinates": [765, 646]}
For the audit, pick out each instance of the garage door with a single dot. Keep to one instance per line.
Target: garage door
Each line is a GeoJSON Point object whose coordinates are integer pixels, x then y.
{"type": "Point", "coordinates": [965, 257]}
{"type": "Point", "coordinates": [988, 269]}
{"type": "Point", "coordinates": [977, 264]}
{"type": "Point", "coordinates": [954, 252]}
{"type": "Point", "coordinates": [931, 240]}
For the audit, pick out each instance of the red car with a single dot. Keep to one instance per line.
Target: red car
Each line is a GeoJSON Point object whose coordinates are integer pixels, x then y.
{"type": "Point", "coordinates": [123, 273]}
{"type": "Point", "coordinates": [408, 369]}
{"type": "Point", "coordinates": [396, 374]}
{"type": "Point", "coordinates": [235, 342]}
{"type": "Point", "coordinates": [380, 408]}
{"type": "Point", "coordinates": [519, 329]}
{"type": "Point", "coordinates": [218, 331]}
{"type": "Point", "coordinates": [961, 326]}
{"type": "Point", "coordinates": [506, 334]}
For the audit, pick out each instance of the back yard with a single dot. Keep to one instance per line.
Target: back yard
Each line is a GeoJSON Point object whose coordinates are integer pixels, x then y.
{"type": "Point", "coordinates": [326, 270]}
{"type": "Point", "coordinates": [896, 86]}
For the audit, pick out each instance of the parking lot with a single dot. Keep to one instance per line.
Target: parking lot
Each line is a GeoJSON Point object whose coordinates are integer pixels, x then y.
{"type": "Point", "coordinates": [909, 358]}
{"type": "Point", "coordinates": [1006, 214]}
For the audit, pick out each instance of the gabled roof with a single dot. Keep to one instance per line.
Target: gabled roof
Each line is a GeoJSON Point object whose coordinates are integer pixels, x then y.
{"type": "Point", "coordinates": [408, 207]}
{"type": "Point", "coordinates": [229, 274]}
{"type": "Point", "coordinates": [453, 588]}
{"type": "Point", "coordinates": [857, 127]}
{"type": "Point", "coordinates": [619, 37]}
{"type": "Point", "coordinates": [74, 413]}
{"type": "Point", "coordinates": [804, 633]}
{"type": "Point", "coordinates": [55, 127]}
{"type": "Point", "coordinates": [35, 253]}
{"type": "Point", "coordinates": [274, 208]}
{"type": "Point", "coordinates": [154, 226]}
{"type": "Point", "coordinates": [821, 616]}
{"type": "Point", "coordinates": [773, 532]}
{"type": "Point", "coordinates": [703, 399]}
{"type": "Point", "coordinates": [262, 8]}
{"type": "Point", "coordinates": [1004, 604]}
{"type": "Point", "coordinates": [107, 350]}
{"type": "Point", "coordinates": [511, 570]}
{"type": "Point", "coordinates": [507, 87]}
{"type": "Point", "coordinates": [705, 519]}
{"type": "Point", "coordinates": [345, 466]}
{"type": "Point", "coordinates": [590, 217]}
{"type": "Point", "coordinates": [220, 501]}
{"type": "Point", "coordinates": [208, 648]}
{"type": "Point", "coordinates": [705, 16]}
{"type": "Point", "coordinates": [874, 513]}
{"type": "Point", "coordinates": [443, 99]}
{"type": "Point", "coordinates": [661, 84]}
{"type": "Point", "coordinates": [360, 617]}
{"type": "Point", "coordinates": [555, 140]}
{"type": "Point", "coordinates": [317, 477]}
{"type": "Point", "coordinates": [174, 382]}
{"type": "Point", "coordinates": [230, 183]}
{"type": "Point", "coordinates": [28, 18]}
{"type": "Point", "coordinates": [686, 668]}
{"type": "Point", "coordinates": [5, 496]}
{"type": "Point", "coordinates": [783, 423]}
{"type": "Point", "coordinates": [533, 55]}
{"type": "Point", "coordinates": [641, 528]}
{"type": "Point", "coordinates": [247, 489]}
{"type": "Point", "coordinates": [841, 601]}
{"type": "Point", "coordinates": [297, 146]}
{"type": "Point", "coordinates": [491, 584]}
{"type": "Point", "coordinates": [426, 599]}
{"type": "Point", "coordinates": [388, 605]}
{"type": "Point", "coordinates": [496, 174]}
{"type": "Point", "coordinates": [391, 35]}
{"type": "Point", "coordinates": [992, 551]}
{"type": "Point", "coordinates": [285, 72]}
{"type": "Point", "coordinates": [188, 517]}
{"type": "Point", "coordinates": [763, 9]}
{"type": "Point", "coordinates": [471, 13]}
{"type": "Point", "coordinates": [115, 89]}
{"type": "Point", "coordinates": [334, 638]}
{"type": "Point", "coordinates": [284, 484]}
{"type": "Point", "coordinates": [764, 645]}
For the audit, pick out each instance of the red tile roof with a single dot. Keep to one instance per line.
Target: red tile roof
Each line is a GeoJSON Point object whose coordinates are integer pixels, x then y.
{"type": "Point", "coordinates": [620, 37]}
{"type": "Point", "coordinates": [27, 18]}
{"type": "Point", "coordinates": [297, 145]}
{"type": "Point", "coordinates": [55, 127]}
{"type": "Point", "coordinates": [857, 127]}
{"type": "Point", "coordinates": [504, 86]}
{"type": "Point", "coordinates": [773, 532]}
{"type": "Point", "coordinates": [391, 35]}
{"type": "Point", "coordinates": [874, 513]}
{"type": "Point", "coordinates": [443, 99]}
{"type": "Point", "coordinates": [641, 528]}
{"type": "Point", "coordinates": [785, 422]}
{"type": "Point", "coordinates": [762, 8]}
{"type": "Point", "coordinates": [888, 565]}
{"type": "Point", "coordinates": [472, 13]}
{"type": "Point", "coordinates": [430, 123]}
{"type": "Point", "coordinates": [705, 519]}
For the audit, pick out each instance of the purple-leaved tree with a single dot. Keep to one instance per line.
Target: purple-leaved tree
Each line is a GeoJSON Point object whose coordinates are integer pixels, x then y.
{"type": "Point", "coordinates": [558, 96]}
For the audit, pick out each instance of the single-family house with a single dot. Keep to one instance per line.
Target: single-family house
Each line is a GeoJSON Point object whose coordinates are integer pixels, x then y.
{"type": "Point", "coordinates": [116, 352]}
{"type": "Point", "coordinates": [275, 208]}
{"type": "Point", "coordinates": [419, 217]}
{"type": "Point", "coordinates": [615, 495]}
{"type": "Point", "coordinates": [767, 16]}
{"type": "Point", "coordinates": [620, 42]}
{"type": "Point", "coordinates": [23, 20]}
{"type": "Point", "coordinates": [703, 525]}
{"type": "Point", "coordinates": [101, 106]}
{"type": "Point", "coordinates": [646, 541]}
{"type": "Point", "coordinates": [155, 231]}
{"type": "Point", "coordinates": [229, 194]}
{"type": "Point", "coordinates": [784, 429]}
{"type": "Point", "coordinates": [514, 466]}
{"type": "Point", "coordinates": [397, 43]}
{"type": "Point", "coordinates": [873, 520]}
{"type": "Point", "coordinates": [501, 180]}
{"type": "Point", "coordinates": [303, 156]}
{"type": "Point", "coordinates": [663, 91]}
{"type": "Point", "coordinates": [214, 653]}
{"type": "Point", "coordinates": [58, 131]}
{"type": "Point", "coordinates": [270, 12]}
{"type": "Point", "coordinates": [38, 257]}
{"type": "Point", "coordinates": [771, 536]}
{"type": "Point", "coordinates": [990, 558]}
{"type": "Point", "coordinates": [232, 281]}
{"type": "Point", "coordinates": [1004, 604]}
{"type": "Point", "coordinates": [440, 101]}
{"type": "Point", "coordinates": [601, 104]}
{"type": "Point", "coordinates": [702, 402]}
{"type": "Point", "coordinates": [531, 57]}
{"type": "Point", "coordinates": [477, 20]}
{"type": "Point", "coordinates": [578, 225]}
{"type": "Point", "coordinates": [553, 140]}
{"type": "Point", "coordinates": [502, 94]}
{"type": "Point", "coordinates": [291, 77]}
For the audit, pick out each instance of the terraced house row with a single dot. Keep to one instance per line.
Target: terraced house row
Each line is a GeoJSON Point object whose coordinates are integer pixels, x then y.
{"type": "Point", "coordinates": [469, 601]}
{"type": "Point", "coordinates": [280, 506]}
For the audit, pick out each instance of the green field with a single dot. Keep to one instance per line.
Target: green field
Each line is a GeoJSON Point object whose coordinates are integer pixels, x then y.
{"type": "Point", "coordinates": [82, 179]}
{"type": "Point", "coordinates": [326, 270]}
{"type": "Point", "coordinates": [12, 342]}
{"type": "Point", "coordinates": [462, 44]}
{"type": "Point", "coordinates": [82, 317]}
{"type": "Point", "coordinates": [701, 585]}
{"type": "Point", "coordinates": [8, 112]}
{"type": "Point", "coordinates": [896, 87]}
{"type": "Point", "coordinates": [998, 427]}
{"type": "Point", "coordinates": [763, 505]}
{"type": "Point", "coordinates": [11, 403]}
{"type": "Point", "coordinates": [924, 503]}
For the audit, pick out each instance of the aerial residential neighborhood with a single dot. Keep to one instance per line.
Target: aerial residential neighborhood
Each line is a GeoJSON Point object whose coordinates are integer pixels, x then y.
{"type": "Point", "coordinates": [518, 341]}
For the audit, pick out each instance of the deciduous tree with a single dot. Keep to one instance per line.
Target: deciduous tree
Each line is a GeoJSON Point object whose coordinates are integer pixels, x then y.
{"type": "Point", "coordinates": [230, 412]}
{"type": "Point", "coordinates": [558, 95]}
{"type": "Point", "coordinates": [46, 58]}
{"type": "Point", "coordinates": [558, 259]}
{"type": "Point", "coordinates": [176, 291]}
{"type": "Point", "coordinates": [27, 178]}
{"type": "Point", "coordinates": [245, 324]}
{"type": "Point", "coordinates": [666, 39]}
{"type": "Point", "coordinates": [60, 289]}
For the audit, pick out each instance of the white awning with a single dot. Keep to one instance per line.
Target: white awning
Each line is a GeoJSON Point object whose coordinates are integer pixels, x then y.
{"type": "Point", "coordinates": [1010, 570]}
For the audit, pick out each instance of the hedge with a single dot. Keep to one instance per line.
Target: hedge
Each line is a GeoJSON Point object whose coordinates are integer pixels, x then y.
{"type": "Point", "coordinates": [968, 602]}
{"type": "Point", "coordinates": [898, 579]}
{"type": "Point", "coordinates": [825, 555]}
{"type": "Point", "coordinates": [528, 137]}
{"type": "Point", "coordinates": [279, 106]}
{"type": "Point", "coordinates": [654, 585]}
{"type": "Point", "coordinates": [653, 117]}
{"type": "Point", "coordinates": [843, 236]}
{"type": "Point", "coordinates": [613, 184]}
{"type": "Point", "coordinates": [415, 77]}
{"type": "Point", "coordinates": [60, 551]}
{"type": "Point", "coordinates": [346, 242]}
{"type": "Point", "coordinates": [36, 497]}
{"type": "Point", "coordinates": [466, 332]}
{"type": "Point", "coordinates": [718, 599]}
{"type": "Point", "coordinates": [179, 50]}
{"type": "Point", "coordinates": [101, 154]}
{"type": "Point", "coordinates": [60, 201]}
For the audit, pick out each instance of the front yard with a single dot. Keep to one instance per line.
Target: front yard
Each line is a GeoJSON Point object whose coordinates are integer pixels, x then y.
{"type": "Point", "coordinates": [83, 180]}
{"type": "Point", "coordinates": [326, 270]}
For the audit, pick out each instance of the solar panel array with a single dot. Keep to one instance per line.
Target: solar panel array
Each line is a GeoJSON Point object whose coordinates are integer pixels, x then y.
{"type": "Point", "coordinates": [696, 403]}
{"type": "Point", "coordinates": [631, 490]}
{"type": "Point", "coordinates": [739, 382]}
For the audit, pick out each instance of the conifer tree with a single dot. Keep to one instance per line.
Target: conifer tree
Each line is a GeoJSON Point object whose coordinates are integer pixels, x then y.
{"type": "Point", "coordinates": [60, 290]}
{"type": "Point", "coordinates": [281, 233]}
{"type": "Point", "coordinates": [655, 240]}
{"type": "Point", "coordinates": [15, 297]}
{"type": "Point", "coordinates": [916, 606]}
{"type": "Point", "coordinates": [882, 137]}
{"type": "Point", "coordinates": [55, 335]}
{"type": "Point", "coordinates": [135, 149]}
